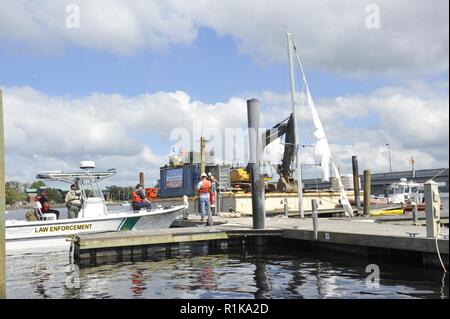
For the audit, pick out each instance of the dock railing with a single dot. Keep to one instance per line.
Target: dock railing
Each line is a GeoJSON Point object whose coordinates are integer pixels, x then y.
{"type": "Point", "coordinates": [219, 189]}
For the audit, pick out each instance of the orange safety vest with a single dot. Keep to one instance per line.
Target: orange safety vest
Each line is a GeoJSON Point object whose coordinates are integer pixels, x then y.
{"type": "Point", "coordinates": [45, 206]}
{"type": "Point", "coordinates": [205, 188]}
{"type": "Point", "coordinates": [135, 198]}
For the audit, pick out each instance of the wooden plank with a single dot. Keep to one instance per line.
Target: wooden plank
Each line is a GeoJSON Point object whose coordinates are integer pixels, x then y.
{"type": "Point", "coordinates": [149, 239]}
{"type": "Point", "coordinates": [425, 245]}
{"type": "Point", "coordinates": [336, 231]}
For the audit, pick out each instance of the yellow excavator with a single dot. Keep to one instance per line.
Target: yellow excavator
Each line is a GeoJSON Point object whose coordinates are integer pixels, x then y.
{"type": "Point", "coordinates": [240, 179]}
{"type": "Point", "coordinates": [286, 184]}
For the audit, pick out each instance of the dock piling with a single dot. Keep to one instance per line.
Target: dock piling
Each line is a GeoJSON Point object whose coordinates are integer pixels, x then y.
{"type": "Point", "coordinates": [255, 150]}
{"type": "Point", "coordinates": [218, 199]}
{"type": "Point", "coordinates": [356, 182]}
{"type": "Point", "coordinates": [141, 178]}
{"type": "Point", "coordinates": [285, 206]}
{"type": "Point", "coordinates": [415, 212]}
{"type": "Point", "coordinates": [209, 222]}
{"type": "Point", "coordinates": [2, 205]}
{"type": "Point", "coordinates": [367, 192]}
{"type": "Point", "coordinates": [432, 208]}
{"type": "Point", "coordinates": [315, 219]}
{"type": "Point", "coordinates": [202, 155]}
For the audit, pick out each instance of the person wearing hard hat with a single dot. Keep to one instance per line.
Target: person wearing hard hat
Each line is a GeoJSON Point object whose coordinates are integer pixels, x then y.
{"type": "Point", "coordinates": [213, 189]}
{"type": "Point", "coordinates": [138, 199]}
{"type": "Point", "coordinates": [204, 190]}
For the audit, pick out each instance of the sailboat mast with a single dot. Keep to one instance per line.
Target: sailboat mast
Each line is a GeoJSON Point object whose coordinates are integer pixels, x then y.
{"type": "Point", "coordinates": [298, 171]}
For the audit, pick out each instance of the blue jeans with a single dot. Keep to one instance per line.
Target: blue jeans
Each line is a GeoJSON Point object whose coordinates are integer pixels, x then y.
{"type": "Point", "coordinates": [138, 206]}
{"type": "Point", "coordinates": [204, 206]}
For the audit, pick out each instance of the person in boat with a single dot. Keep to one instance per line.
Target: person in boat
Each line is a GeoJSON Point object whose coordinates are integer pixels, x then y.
{"type": "Point", "coordinates": [45, 203]}
{"type": "Point", "coordinates": [204, 190]}
{"type": "Point", "coordinates": [139, 200]}
{"type": "Point", "coordinates": [73, 201]}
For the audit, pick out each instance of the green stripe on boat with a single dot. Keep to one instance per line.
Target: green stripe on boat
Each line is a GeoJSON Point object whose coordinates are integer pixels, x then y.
{"type": "Point", "coordinates": [128, 223]}
{"type": "Point", "coordinates": [121, 223]}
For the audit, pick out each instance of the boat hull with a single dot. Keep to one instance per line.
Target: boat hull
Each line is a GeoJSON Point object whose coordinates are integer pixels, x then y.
{"type": "Point", "coordinates": [56, 235]}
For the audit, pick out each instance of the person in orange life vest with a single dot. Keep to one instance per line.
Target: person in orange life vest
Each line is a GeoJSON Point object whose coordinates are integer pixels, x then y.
{"type": "Point", "coordinates": [42, 198]}
{"type": "Point", "coordinates": [138, 198]}
{"type": "Point", "coordinates": [203, 190]}
{"type": "Point", "coordinates": [213, 189]}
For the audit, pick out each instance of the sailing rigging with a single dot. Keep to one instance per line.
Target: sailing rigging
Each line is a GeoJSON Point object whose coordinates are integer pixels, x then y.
{"type": "Point", "coordinates": [322, 148]}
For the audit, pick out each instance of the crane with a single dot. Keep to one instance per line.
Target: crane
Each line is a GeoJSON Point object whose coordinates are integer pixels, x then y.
{"type": "Point", "coordinates": [286, 183]}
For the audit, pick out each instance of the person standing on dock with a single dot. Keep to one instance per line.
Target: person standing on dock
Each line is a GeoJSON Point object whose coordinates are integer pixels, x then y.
{"type": "Point", "coordinates": [213, 189]}
{"type": "Point", "coordinates": [45, 203]}
{"type": "Point", "coordinates": [73, 201]}
{"type": "Point", "coordinates": [139, 200]}
{"type": "Point", "coordinates": [204, 190]}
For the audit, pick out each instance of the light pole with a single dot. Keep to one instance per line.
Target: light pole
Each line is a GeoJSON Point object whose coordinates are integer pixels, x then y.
{"type": "Point", "coordinates": [2, 206]}
{"type": "Point", "coordinates": [390, 161]}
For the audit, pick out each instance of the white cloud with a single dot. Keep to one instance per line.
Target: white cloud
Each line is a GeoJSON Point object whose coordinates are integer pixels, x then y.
{"type": "Point", "coordinates": [413, 35]}
{"type": "Point", "coordinates": [332, 36]}
{"type": "Point", "coordinates": [117, 26]}
{"type": "Point", "coordinates": [47, 133]}
{"type": "Point", "coordinates": [413, 119]}
{"type": "Point", "coordinates": [132, 133]}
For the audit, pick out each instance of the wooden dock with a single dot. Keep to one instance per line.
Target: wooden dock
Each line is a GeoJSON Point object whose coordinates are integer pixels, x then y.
{"type": "Point", "coordinates": [355, 236]}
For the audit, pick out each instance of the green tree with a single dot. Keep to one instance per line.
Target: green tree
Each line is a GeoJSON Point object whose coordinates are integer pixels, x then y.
{"type": "Point", "coordinates": [37, 184]}
{"type": "Point", "coordinates": [14, 193]}
{"type": "Point", "coordinates": [55, 195]}
{"type": "Point", "coordinates": [119, 193]}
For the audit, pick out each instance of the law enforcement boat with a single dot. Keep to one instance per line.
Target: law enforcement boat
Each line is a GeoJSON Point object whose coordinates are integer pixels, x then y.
{"type": "Point", "coordinates": [46, 232]}
{"type": "Point", "coordinates": [405, 192]}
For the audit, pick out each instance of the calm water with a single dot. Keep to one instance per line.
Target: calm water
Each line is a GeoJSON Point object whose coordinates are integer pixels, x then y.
{"type": "Point", "coordinates": [196, 273]}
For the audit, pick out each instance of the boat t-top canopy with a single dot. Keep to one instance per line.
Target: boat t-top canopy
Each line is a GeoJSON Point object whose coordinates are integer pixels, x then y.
{"type": "Point", "coordinates": [76, 176]}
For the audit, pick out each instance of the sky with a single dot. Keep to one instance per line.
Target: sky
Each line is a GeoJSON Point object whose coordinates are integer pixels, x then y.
{"type": "Point", "coordinates": [114, 81]}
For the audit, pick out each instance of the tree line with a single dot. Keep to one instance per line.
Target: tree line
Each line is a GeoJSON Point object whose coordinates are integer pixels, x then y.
{"type": "Point", "coordinates": [119, 193]}
{"type": "Point", "coordinates": [15, 192]}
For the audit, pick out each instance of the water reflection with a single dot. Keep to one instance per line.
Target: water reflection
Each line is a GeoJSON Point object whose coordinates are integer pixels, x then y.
{"type": "Point", "coordinates": [198, 272]}
{"type": "Point", "coordinates": [40, 278]}
{"type": "Point", "coordinates": [261, 280]}
{"type": "Point", "coordinates": [208, 278]}
{"type": "Point", "coordinates": [138, 282]}
{"type": "Point", "coordinates": [444, 286]}
{"type": "Point", "coordinates": [298, 279]}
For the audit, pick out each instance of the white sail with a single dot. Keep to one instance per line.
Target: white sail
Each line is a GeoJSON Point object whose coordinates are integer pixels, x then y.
{"type": "Point", "coordinates": [343, 195]}
{"type": "Point", "coordinates": [322, 148]}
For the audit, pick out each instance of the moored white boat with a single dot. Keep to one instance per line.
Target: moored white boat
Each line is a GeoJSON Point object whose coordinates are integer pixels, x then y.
{"type": "Point", "coordinates": [50, 234]}
{"type": "Point", "coordinates": [405, 192]}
